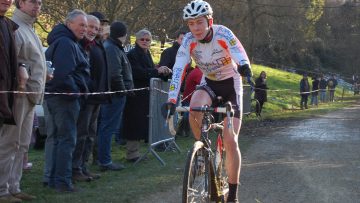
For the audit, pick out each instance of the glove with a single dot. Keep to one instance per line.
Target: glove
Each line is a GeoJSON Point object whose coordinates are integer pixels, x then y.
{"type": "Point", "coordinates": [245, 70]}
{"type": "Point", "coordinates": [166, 107]}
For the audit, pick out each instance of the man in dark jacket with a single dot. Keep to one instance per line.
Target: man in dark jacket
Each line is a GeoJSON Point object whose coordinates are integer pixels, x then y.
{"type": "Point", "coordinates": [8, 64]}
{"type": "Point", "coordinates": [168, 56]}
{"type": "Point", "coordinates": [121, 81]}
{"type": "Point", "coordinates": [71, 77]}
{"type": "Point", "coordinates": [304, 91]}
{"type": "Point", "coordinates": [87, 122]}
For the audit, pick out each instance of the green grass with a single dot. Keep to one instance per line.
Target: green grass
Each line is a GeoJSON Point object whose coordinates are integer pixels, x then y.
{"type": "Point", "coordinates": [148, 176]}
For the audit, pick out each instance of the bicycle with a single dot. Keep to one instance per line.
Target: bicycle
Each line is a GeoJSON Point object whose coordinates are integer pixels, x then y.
{"type": "Point", "coordinates": [205, 177]}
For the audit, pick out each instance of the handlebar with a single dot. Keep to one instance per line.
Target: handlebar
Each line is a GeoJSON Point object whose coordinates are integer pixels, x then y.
{"type": "Point", "coordinates": [227, 109]}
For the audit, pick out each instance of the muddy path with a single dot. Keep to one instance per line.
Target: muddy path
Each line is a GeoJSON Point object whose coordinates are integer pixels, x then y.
{"type": "Point", "coordinates": [315, 160]}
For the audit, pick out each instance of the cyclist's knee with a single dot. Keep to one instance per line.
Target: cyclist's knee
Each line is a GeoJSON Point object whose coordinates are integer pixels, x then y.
{"type": "Point", "coordinates": [200, 98]}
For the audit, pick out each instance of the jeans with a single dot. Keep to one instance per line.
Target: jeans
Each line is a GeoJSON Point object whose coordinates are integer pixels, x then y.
{"type": "Point", "coordinates": [86, 133]}
{"type": "Point", "coordinates": [110, 119]}
{"type": "Point", "coordinates": [322, 95]}
{"type": "Point", "coordinates": [304, 101]}
{"type": "Point", "coordinates": [314, 100]}
{"type": "Point", "coordinates": [49, 143]}
{"type": "Point", "coordinates": [331, 95]}
{"type": "Point", "coordinates": [64, 113]}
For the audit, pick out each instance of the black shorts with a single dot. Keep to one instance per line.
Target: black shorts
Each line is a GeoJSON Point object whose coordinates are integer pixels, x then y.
{"type": "Point", "coordinates": [229, 89]}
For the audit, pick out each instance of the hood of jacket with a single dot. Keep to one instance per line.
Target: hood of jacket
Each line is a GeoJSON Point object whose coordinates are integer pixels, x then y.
{"type": "Point", "coordinates": [60, 30]}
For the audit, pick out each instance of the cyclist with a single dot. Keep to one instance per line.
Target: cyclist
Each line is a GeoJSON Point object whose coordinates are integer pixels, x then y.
{"type": "Point", "coordinates": [222, 59]}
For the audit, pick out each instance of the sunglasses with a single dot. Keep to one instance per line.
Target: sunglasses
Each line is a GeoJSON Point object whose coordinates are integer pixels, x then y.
{"type": "Point", "coordinates": [145, 40]}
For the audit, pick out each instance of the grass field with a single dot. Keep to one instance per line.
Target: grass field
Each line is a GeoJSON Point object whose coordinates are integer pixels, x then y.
{"type": "Point", "coordinates": [149, 176]}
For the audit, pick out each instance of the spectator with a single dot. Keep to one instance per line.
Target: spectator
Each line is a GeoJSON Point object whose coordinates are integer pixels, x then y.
{"type": "Point", "coordinates": [322, 88]}
{"type": "Point", "coordinates": [143, 69]}
{"type": "Point", "coordinates": [30, 55]}
{"type": "Point", "coordinates": [87, 122]}
{"type": "Point", "coordinates": [260, 92]}
{"type": "Point", "coordinates": [332, 83]}
{"type": "Point", "coordinates": [163, 37]}
{"type": "Point", "coordinates": [315, 90]}
{"type": "Point", "coordinates": [70, 76]}
{"type": "Point", "coordinates": [104, 24]}
{"type": "Point", "coordinates": [304, 91]}
{"type": "Point", "coordinates": [9, 65]}
{"type": "Point", "coordinates": [168, 56]}
{"type": "Point", "coordinates": [7, 53]}
{"type": "Point", "coordinates": [121, 81]}
{"type": "Point", "coordinates": [103, 34]}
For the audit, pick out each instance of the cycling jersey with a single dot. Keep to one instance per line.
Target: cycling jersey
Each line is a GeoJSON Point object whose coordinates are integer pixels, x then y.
{"type": "Point", "coordinates": [218, 59]}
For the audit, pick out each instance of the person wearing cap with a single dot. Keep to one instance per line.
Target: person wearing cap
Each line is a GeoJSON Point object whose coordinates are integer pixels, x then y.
{"type": "Point", "coordinates": [121, 82]}
{"type": "Point", "coordinates": [104, 24]}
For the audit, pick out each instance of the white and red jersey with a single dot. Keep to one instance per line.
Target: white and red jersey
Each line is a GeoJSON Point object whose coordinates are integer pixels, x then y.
{"type": "Point", "coordinates": [217, 59]}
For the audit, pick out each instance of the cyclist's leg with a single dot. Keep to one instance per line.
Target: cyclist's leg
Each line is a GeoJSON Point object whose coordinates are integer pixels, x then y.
{"type": "Point", "coordinates": [233, 155]}
{"type": "Point", "coordinates": [199, 98]}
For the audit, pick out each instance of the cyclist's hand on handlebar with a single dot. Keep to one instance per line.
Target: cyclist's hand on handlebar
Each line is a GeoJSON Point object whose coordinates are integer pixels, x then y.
{"type": "Point", "coordinates": [168, 109]}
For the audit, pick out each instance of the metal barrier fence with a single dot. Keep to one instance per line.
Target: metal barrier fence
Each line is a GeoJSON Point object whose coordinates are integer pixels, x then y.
{"type": "Point", "coordinates": [247, 99]}
{"type": "Point", "coordinates": [158, 131]}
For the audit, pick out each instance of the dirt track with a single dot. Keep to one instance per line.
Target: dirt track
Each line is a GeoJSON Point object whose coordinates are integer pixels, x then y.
{"type": "Point", "coordinates": [312, 161]}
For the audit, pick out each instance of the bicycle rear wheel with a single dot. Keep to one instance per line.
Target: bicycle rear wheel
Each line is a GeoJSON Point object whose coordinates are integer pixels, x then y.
{"type": "Point", "coordinates": [196, 183]}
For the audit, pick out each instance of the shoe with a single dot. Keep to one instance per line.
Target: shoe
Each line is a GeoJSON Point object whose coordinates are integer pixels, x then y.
{"type": "Point", "coordinates": [80, 177]}
{"type": "Point", "coordinates": [92, 175]}
{"type": "Point", "coordinates": [112, 167]}
{"type": "Point", "coordinates": [63, 189]}
{"type": "Point", "coordinates": [24, 196]}
{"type": "Point", "coordinates": [9, 199]}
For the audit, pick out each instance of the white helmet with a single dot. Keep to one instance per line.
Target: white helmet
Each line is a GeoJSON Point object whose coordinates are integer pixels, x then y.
{"type": "Point", "coordinates": [197, 8]}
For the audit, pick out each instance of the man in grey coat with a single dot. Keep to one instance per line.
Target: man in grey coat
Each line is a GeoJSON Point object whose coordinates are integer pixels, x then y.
{"type": "Point", "coordinates": [16, 139]}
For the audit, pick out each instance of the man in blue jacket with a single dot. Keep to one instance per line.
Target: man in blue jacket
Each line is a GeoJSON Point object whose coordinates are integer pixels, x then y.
{"type": "Point", "coordinates": [71, 78]}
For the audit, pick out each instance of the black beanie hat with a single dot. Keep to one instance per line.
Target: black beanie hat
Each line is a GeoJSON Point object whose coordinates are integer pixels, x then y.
{"type": "Point", "coordinates": [100, 16]}
{"type": "Point", "coordinates": [117, 29]}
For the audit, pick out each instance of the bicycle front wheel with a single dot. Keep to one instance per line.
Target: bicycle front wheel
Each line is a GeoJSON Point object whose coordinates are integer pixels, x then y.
{"type": "Point", "coordinates": [197, 180]}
